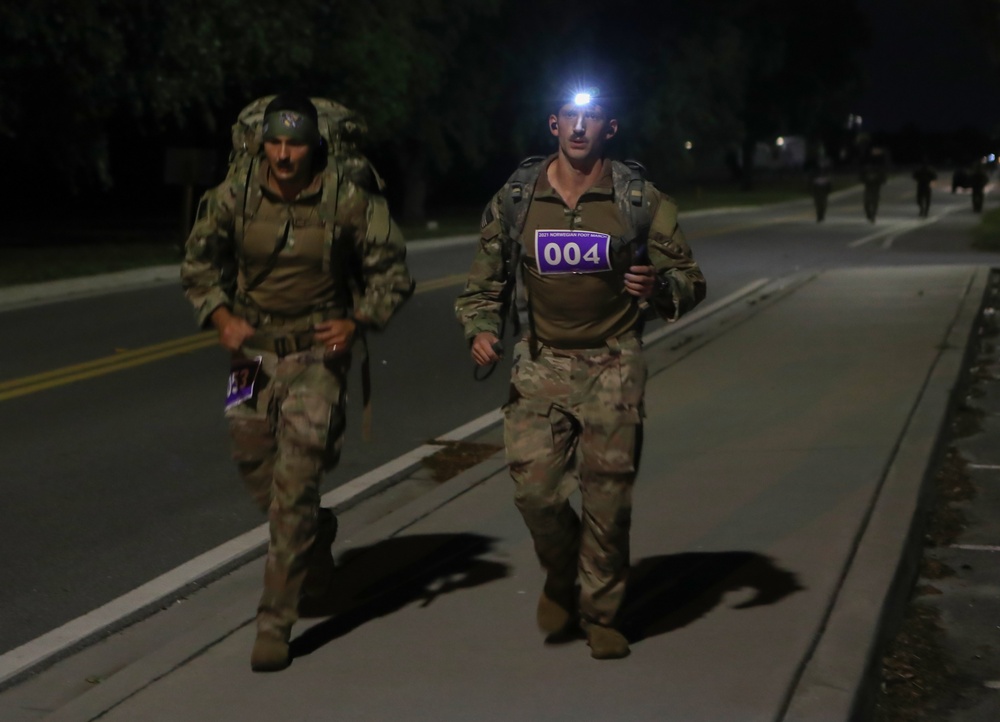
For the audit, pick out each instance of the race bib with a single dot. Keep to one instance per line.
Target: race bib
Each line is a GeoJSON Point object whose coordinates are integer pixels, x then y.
{"type": "Point", "coordinates": [572, 251]}
{"type": "Point", "coordinates": [242, 376]}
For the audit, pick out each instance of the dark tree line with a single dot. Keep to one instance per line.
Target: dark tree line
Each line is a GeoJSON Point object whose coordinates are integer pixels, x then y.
{"type": "Point", "coordinates": [449, 89]}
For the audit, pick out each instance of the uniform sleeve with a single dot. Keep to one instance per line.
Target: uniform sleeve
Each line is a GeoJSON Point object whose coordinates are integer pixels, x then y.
{"type": "Point", "coordinates": [480, 305]}
{"type": "Point", "coordinates": [680, 282]}
{"type": "Point", "coordinates": [382, 251]}
{"type": "Point", "coordinates": [208, 271]}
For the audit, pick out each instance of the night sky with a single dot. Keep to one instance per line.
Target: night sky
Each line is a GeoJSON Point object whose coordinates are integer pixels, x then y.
{"type": "Point", "coordinates": [925, 67]}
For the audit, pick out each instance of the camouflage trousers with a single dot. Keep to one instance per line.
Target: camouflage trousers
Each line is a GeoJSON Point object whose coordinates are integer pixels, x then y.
{"type": "Point", "coordinates": [283, 439]}
{"type": "Point", "coordinates": [574, 419]}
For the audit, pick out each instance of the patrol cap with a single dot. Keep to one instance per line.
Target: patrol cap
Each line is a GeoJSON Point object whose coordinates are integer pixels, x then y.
{"type": "Point", "coordinates": [294, 116]}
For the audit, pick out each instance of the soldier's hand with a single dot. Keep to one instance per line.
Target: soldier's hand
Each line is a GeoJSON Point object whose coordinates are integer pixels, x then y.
{"type": "Point", "coordinates": [640, 281]}
{"type": "Point", "coordinates": [336, 335]}
{"type": "Point", "coordinates": [483, 352]}
{"type": "Point", "coordinates": [233, 330]}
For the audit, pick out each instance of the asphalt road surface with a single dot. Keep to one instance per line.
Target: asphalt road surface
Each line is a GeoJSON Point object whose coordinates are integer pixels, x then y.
{"type": "Point", "coordinates": [114, 449]}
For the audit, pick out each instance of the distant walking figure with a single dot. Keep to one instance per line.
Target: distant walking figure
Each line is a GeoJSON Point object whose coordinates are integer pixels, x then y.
{"type": "Point", "coordinates": [821, 187]}
{"type": "Point", "coordinates": [873, 179]}
{"type": "Point", "coordinates": [924, 176]}
{"type": "Point", "coordinates": [977, 180]}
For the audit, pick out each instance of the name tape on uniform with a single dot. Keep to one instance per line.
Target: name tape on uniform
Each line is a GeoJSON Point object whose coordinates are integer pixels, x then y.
{"type": "Point", "coordinates": [572, 251]}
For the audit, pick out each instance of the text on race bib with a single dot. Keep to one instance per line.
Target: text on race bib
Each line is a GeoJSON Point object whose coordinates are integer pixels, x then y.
{"type": "Point", "coordinates": [242, 376]}
{"type": "Point", "coordinates": [572, 251]}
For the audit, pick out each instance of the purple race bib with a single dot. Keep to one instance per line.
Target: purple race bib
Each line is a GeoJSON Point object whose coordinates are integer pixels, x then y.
{"type": "Point", "coordinates": [242, 376]}
{"type": "Point", "coordinates": [572, 251]}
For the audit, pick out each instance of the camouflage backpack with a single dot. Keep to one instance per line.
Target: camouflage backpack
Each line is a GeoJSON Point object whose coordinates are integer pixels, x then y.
{"type": "Point", "coordinates": [341, 130]}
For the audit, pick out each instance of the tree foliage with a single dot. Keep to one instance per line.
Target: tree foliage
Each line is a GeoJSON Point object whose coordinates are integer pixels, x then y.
{"type": "Point", "coordinates": [70, 67]}
{"type": "Point", "coordinates": [443, 85]}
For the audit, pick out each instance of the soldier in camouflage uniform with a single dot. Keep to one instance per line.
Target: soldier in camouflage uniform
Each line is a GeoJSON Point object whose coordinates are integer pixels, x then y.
{"type": "Point", "coordinates": [266, 267]}
{"type": "Point", "coordinates": [574, 416]}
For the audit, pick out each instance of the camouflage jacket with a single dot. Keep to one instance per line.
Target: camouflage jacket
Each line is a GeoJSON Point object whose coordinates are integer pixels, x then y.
{"type": "Point", "coordinates": [480, 307]}
{"type": "Point", "coordinates": [350, 214]}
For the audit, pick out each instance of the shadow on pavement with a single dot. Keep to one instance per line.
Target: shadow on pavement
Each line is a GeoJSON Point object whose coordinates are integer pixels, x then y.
{"type": "Point", "coordinates": [669, 592]}
{"type": "Point", "coordinates": [373, 581]}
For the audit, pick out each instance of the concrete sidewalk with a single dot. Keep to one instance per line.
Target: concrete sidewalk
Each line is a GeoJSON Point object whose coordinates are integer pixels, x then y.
{"type": "Point", "coordinates": [787, 442]}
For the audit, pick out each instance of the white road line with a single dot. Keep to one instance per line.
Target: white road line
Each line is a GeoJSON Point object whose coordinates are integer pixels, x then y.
{"type": "Point", "coordinates": [894, 229]}
{"type": "Point", "coordinates": [702, 312]}
{"type": "Point", "coordinates": [165, 586]}
{"type": "Point", "coordinates": [898, 229]}
{"type": "Point", "coordinates": [976, 547]}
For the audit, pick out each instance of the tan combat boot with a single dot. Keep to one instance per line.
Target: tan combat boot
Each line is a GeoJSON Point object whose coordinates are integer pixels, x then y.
{"type": "Point", "coordinates": [270, 652]}
{"type": "Point", "coordinates": [557, 605]}
{"type": "Point", "coordinates": [606, 642]}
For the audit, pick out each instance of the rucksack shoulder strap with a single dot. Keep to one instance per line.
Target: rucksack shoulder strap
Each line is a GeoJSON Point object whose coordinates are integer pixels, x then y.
{"type": "Point", "coordinates": [635, 198]}
{"type": "Point", "coordinates": [517, 194]}
{"type": "Point", "coordinates": [242, 172]}
{"type": "Point", "coordinates": [327, 209]}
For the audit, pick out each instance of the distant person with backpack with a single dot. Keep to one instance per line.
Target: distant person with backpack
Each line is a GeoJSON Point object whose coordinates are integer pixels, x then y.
{"type": "Point", "coordinates": [924, 176]}
{"type": "Point", "coordinates": [597, 245]}
{"type": "Point", "coordinates": [291, 260]}
{"type": "Point", "coordinates": [978, 179]}
{"type": "Point", "coordinates": [873, 178]}
{"type": "Point", "coordinates": [820, 185]}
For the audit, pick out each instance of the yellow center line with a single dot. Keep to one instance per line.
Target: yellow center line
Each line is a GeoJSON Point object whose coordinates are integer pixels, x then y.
{"type": "Point", "coordinates": [122, 359]}
{"type": "Point", "coordinates": [147, 354]}
{"type": "Point", "coordinates": [456, 279]}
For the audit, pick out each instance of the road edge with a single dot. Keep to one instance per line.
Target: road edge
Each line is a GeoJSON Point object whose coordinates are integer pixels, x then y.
{"type": "Point", "coordinates": [839, 680]}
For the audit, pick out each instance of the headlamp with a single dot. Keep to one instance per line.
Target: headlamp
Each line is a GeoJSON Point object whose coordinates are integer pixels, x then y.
{"type": "Point", "coordinates": [582, 98]}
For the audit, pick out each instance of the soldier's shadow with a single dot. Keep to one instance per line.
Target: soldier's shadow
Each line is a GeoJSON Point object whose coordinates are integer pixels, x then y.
{"type": "Point", "coordinates": [669, 592]}
{"type": "Point", "coordinates": [376, 580]}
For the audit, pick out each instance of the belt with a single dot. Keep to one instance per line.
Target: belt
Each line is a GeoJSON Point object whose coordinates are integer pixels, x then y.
{"type": "Point", "coordinates": [283, 344]}
{"type": "Point", "coordinates": [613, 343]}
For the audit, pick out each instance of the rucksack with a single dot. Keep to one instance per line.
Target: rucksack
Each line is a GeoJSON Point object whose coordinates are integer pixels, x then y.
{"type": "Point", "coordinates": [341, 130]}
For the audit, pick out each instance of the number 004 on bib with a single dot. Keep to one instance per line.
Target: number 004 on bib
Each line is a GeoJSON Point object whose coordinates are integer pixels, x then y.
{"type": "Point", "coordinates": [572, 251]}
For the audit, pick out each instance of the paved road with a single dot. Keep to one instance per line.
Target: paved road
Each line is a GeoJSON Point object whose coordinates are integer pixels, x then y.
{"type": "Point", "coordinates": [787, 439]}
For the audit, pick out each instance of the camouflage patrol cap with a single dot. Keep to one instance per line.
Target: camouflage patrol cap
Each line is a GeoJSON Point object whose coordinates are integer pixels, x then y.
{"type": "Point", "coordinates": [292, 115]}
